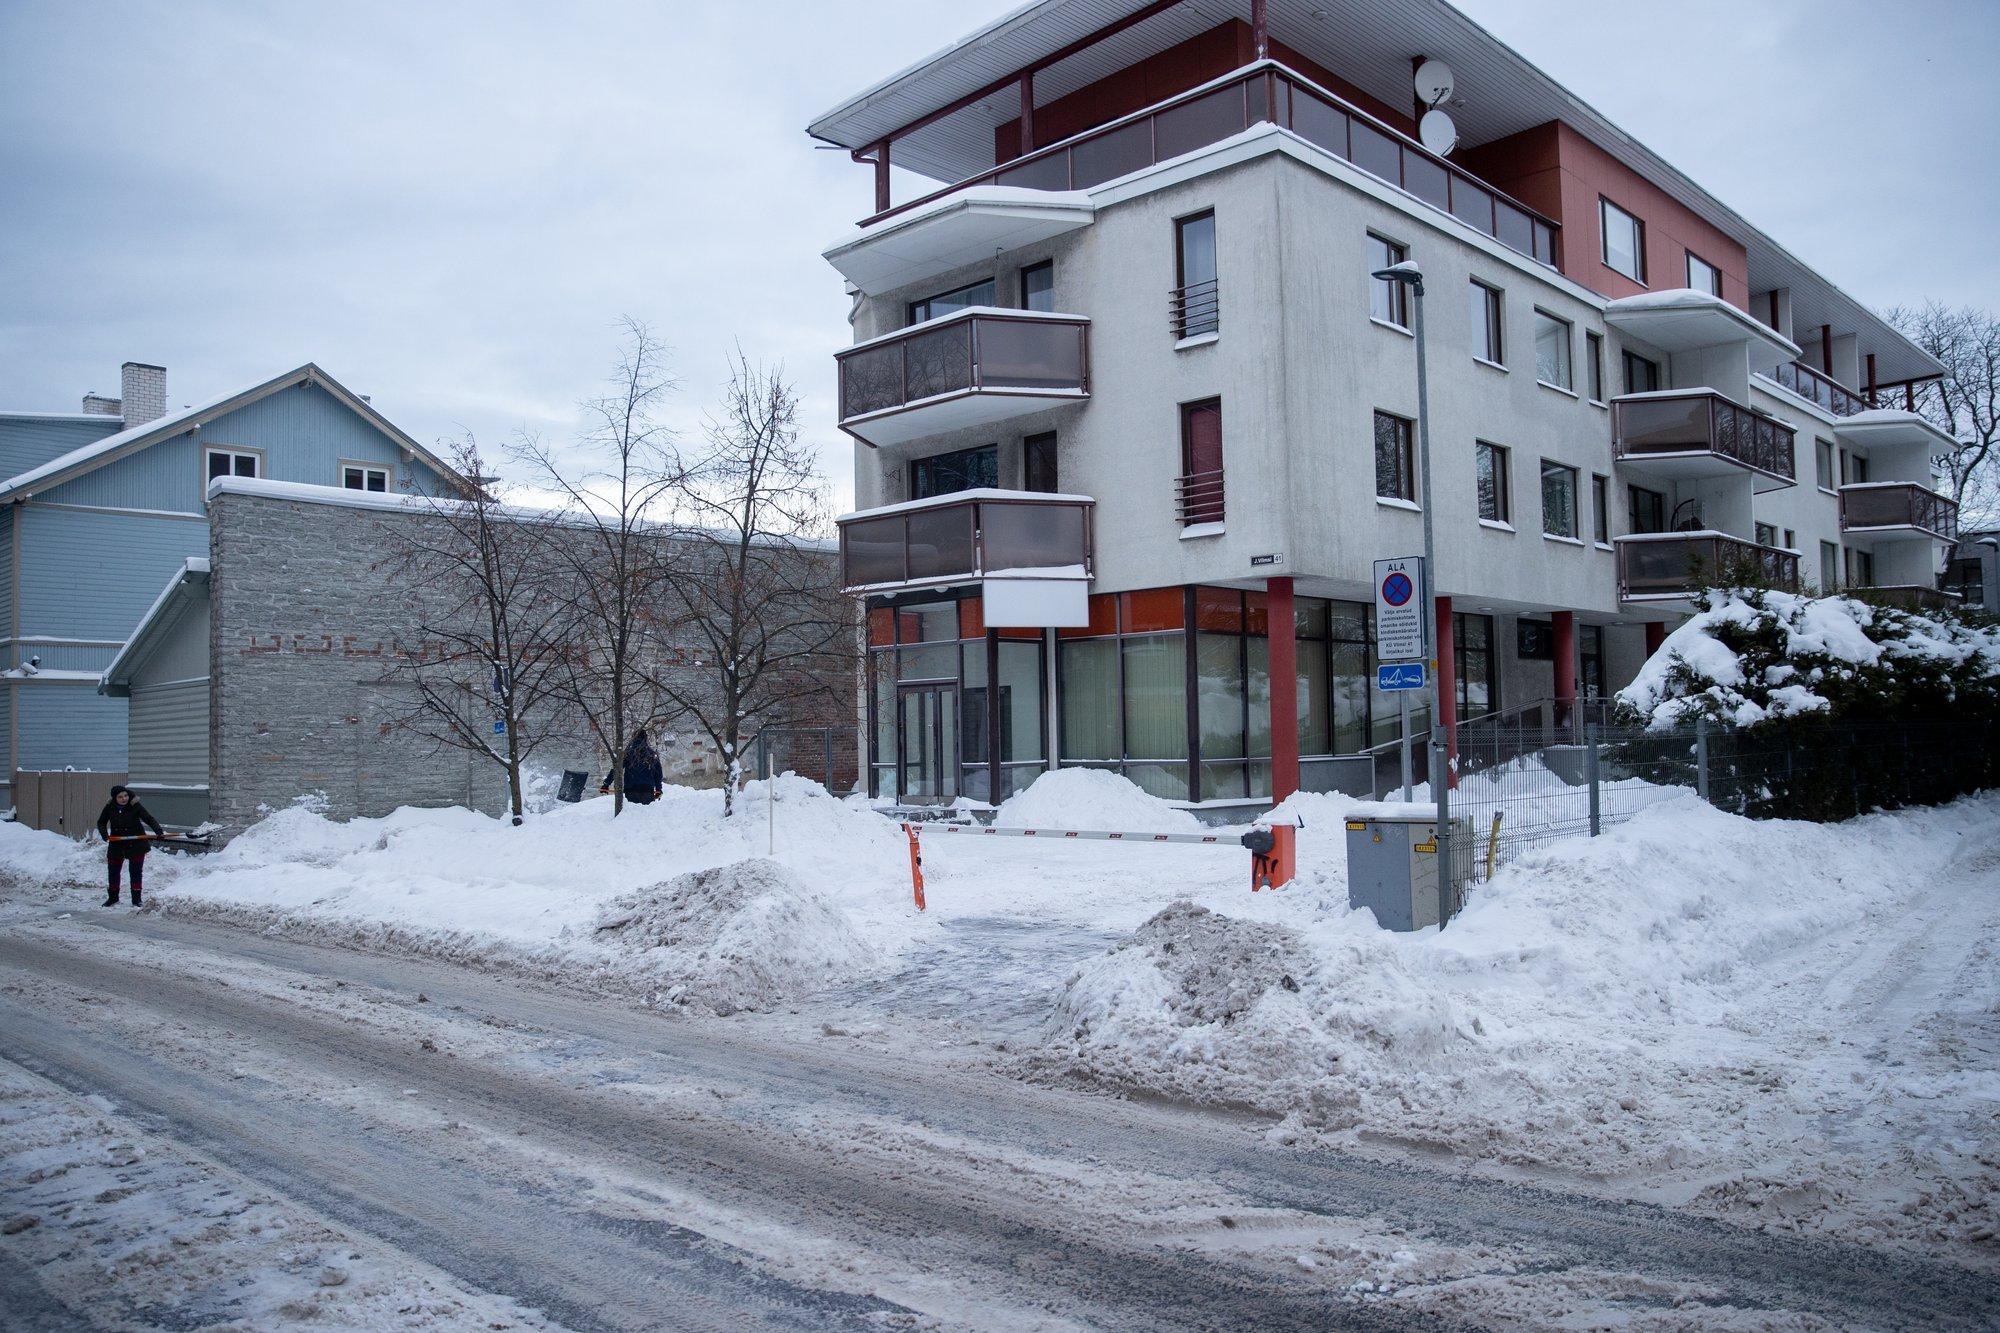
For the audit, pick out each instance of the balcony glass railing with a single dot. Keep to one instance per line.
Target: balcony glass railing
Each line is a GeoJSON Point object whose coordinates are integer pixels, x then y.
{"type": "Point", "coordinates": [1814, 387]}
{"type": "Point", "coordinates": [1675, 564]}
{"type": "Point", "coordinates": [1696, 422]}
{"type": "Point", "coordinates": [1268, 92]}
{"type": "Point", "coordinates": [956, 538]}
{"type": "Point", "coordinates": [974, 351]}
{"type": "Point", "coordinates": [1872, 505]}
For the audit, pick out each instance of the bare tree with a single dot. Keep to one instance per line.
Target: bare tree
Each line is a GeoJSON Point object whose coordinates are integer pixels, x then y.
{"type": "Point", "coordinates": [753, 587]}
{"type": "Point", "coordinates": [1965, 403]}
{"type": "Point", "coordinates": [491, 665]}
{"type": "Point", "coordinates": [628, 463]}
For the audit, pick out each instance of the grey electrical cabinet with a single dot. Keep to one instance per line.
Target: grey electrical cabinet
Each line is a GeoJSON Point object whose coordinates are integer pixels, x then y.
{"type": "Point", "coordinates": [1392, 864]}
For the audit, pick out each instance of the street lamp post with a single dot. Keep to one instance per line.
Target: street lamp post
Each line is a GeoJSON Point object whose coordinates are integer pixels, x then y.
{"type": "Point", "coordinates": [1409, 275]}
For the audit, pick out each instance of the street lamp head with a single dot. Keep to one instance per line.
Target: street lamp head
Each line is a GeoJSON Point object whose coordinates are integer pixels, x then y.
{"type": "Point", "coordinates": [1405, 272]}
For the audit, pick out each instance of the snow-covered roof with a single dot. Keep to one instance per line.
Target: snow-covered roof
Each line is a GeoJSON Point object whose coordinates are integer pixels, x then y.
{"type": "Point", "coordinates": [107, 418]}
{"type": "Point", "coordinates": [65, 467]}
{"type": "Point", "coordinates": [190, 581]}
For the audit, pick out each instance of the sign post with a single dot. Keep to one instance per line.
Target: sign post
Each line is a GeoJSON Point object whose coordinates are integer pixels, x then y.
{"type": "Point", "coordinates": [1402, 641]}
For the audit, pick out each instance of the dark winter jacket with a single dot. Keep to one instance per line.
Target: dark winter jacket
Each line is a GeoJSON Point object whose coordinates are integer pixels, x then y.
{"type": "Point", "coordinates": [125, 821]}
{"type": "Point", "coordinates": [642, 772]}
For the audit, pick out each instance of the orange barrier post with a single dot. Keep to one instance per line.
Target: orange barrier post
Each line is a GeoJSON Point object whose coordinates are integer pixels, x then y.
{"type": "Point", "coordinates": [1274, 856]}
{"type": "Point", "coordinates": [916, 865]}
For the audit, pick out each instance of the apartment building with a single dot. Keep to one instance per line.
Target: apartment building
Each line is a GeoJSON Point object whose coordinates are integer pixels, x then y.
{"type": "Point", "coordinates": [1133, 419]}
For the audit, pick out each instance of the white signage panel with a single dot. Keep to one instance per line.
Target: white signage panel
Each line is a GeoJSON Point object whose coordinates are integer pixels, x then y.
{"type": "Point", "coordinates": [1400, 632]}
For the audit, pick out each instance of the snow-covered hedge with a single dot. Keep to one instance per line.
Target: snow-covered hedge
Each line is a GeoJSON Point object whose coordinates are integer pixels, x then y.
{"type": "Point", "coordinates": [1828, 705]}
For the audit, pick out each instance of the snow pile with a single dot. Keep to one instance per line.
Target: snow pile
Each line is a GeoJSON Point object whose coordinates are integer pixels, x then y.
{"type": "Point", "coordinates": [1752, 656]}
{"type": "Point", "coordinates": [1094, 799]}
{"type": "Point", "coordinates": [747, 935]}
{"type": "Point", "coordinates": [456, 884]}
{"type": "Point", "coordinates": [1788, 1023]}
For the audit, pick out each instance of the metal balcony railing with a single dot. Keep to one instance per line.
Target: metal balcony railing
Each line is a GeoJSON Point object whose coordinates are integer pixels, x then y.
{"type": "Point", "coordinates": [1267, 92]}
{"type": "Point", "coordinates": [1818, 388]}
{"type": "Point", "coordinates": [1909, 596]}
{"type": "Point", "coordinates": [1198, 498]}
{"type": "Point", "coordinates": [1890, 505]}
{"type": "Point", "coordinates": [1661, 565]}
{"type": "Point", "coordinates": [975, 351]}
{"type": "Point", "coordinates": [1195, 309]}
{"type": "Point", "coordinates": [1698, 421]}
{"type": "Point", "coordinates": [957, 538]}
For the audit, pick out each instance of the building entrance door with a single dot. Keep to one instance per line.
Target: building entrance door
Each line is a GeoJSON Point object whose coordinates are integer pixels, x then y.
{"type": "Point", "coordinates": [927, 743]}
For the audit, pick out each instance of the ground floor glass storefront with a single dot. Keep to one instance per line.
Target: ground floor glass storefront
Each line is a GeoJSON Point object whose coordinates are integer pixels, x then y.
{"type": "Point", "coordinates": [1168, 686]}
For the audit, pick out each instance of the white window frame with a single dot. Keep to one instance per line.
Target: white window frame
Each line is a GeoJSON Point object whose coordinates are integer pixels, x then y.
{"type": "Point", "coordinates": [1492, 321]}
{"type": "Point", "coordinates": [356, 464]}
{"type": "Point", "coordinates": [1575, 500]}
{"type": "Point", "coordinates": [1713, 288]}
{"type": "Point", "coordinates": [1399, 295]}
{"type": "Point", "coordinates": [232, 452]}
{"type": "Point", "coordinates": [1605, 208]}
{"type": "Point", "coordinates": [1567, 383]}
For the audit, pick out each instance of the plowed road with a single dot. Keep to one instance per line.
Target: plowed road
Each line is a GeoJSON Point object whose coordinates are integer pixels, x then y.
{"type": "Point", "coordinates": [611, 1168]}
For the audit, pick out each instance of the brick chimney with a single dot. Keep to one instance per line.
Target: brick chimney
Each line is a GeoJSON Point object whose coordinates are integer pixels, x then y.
{"type": "Point", "coordinates": [97, 405]}
{"type": "Point", "coordinates": [143, 392]}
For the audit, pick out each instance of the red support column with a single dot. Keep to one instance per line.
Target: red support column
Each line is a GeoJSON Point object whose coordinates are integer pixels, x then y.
{"type": "Point", "coordinates": [1565, 628]}
{"type": "Point", "coordinates": [1284, 665]}
{"type": "Point", "coordinates": [1656, 634]}
{"type": "Point", "coordinates": [1826, 349]}
{"type": "Point", "coordinates": [1027, 112]}
{"type": "Point", "coordinates": [1447, 678]}
{"type": "Point", "coordinates": [1260, 29]}
{"type": "Point", "coordinates": [882, 177]}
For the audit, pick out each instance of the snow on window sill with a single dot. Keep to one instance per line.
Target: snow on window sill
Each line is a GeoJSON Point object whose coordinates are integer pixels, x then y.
{"type": "Point", "coordinates": [1396, 502]}
{"type": "Point", "coordinates": [1490, 365]}
{"type": "Point", "coordinates": [1498, 525]}
{"type": "Point", "coordinates": [1606, 546]}
{"type": "Point", "coordinates": [1567, 393]}
{"type": "Point", "coordinates": [1558, 537]}
{"type": "Point", "coordinates": [1194, 530]}
{"type": "Point", "coordinates": [1599, 402]}
{"type": "Point", "coordinates": [1197, 340]}
{"type": "Point", "coordinates": [1393, 328]}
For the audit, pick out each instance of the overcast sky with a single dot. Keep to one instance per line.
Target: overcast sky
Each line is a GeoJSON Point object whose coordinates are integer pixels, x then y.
{"type": "Point", "coordinates": [449, 206]}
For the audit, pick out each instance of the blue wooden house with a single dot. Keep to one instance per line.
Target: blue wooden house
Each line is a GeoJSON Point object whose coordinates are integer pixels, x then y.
{"type": "Point", "coordinates": [101, 508]}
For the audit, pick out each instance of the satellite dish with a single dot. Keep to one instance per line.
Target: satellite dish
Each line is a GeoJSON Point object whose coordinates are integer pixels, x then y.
{"type": "Point", "coordinates": [1438, 133]}
{"type": "Point", "coordinates": [1434, 82]}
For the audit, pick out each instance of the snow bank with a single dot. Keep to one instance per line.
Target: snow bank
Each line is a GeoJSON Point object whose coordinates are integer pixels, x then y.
{"type": "Point", "coordinates": [1774, 1021]}
{"type": "Point", "coordinates": [457, 884]}
{"type": "Point", "coordinates": [1091, 798]}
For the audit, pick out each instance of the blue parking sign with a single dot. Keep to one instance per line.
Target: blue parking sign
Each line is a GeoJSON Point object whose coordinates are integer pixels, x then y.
{"type": "Point", "coordinates": [1399, 676]}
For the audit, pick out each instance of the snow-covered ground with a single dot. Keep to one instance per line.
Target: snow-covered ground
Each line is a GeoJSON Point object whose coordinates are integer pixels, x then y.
{"type": "Point", "coordinates": [1787, 1024]}
{"type": "Point", "coordinates": [139, 1232]}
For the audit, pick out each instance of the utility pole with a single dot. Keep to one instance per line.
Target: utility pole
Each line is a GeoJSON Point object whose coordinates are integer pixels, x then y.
{"type": "Point", "coordinates": [1408, 274]}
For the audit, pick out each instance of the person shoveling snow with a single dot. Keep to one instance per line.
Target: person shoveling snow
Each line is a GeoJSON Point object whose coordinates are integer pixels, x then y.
{"type": "Point", "coordinates": [122, 823]}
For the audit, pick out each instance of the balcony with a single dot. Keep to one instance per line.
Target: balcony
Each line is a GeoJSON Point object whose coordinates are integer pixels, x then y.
{"type": "Point", "coordinates": [967, 369]}
{"type": "Point", "coordinates": [1672, 566]}
{"type": "Point", "coordinates": [1910, 596]}
{"type": "Point", "coordinates": [1264, 92]}
{"type": "Point", "coordinates": [1888, 510]}
{"type": "Point", "coordinates": [1029, 550]}
{"type": "Point", "coordinates": [1699, 433]}
{"type": "Point", "coordinates": [1821, 390]}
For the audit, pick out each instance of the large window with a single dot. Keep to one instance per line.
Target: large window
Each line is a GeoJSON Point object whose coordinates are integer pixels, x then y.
{"type": "Point", "coordinates": [1038, 286]}
{"type": "Point", "coordinates": [1703, 276]}
{"type": "Point", "coordinates": [1829, 567]}
{"type": "Point", "coordinates": [1478, 686]}
{"type": "Point", "coordinates": [961, 470]}
{"type": "Point", "coordinates": [1387, 301]}
{"type": "Point", "coordinates": [1487, 339]}
{"type": "Point", "coordinates": [1646, 510]}
{"type": "Point", "coordinates": [1624, 240]}
{"type": "Point", "coordinates": [1590, 661]}
{"type": "Point", "coordinates": [1553, 351]}
{"type": "Point", "coordinates": [1124, 689]}
{"type": "Point", "coordinates": [1038, 463]}
{"type": "Point", "coordinates": [1201, 462]}
{"type": "Point", "coordinates": [1395, 459]}
{"type": "Point", "coordinates": [1194, 275]}
{"type": "Point", "coordinates": [951, 302]}
{"type": "Point", "coordinates": [1495, 500]}
{"type": "Point", "coordinates": [1600, 509]}
{"type": "Point", "coordinates": [1593, 353]}
{"type": "Point", "coordinates": [1822, 463]}
{"type": "Point", "coordinates": [1641, 375]}
{"type": "Point", "coordinates": [1558, 499]}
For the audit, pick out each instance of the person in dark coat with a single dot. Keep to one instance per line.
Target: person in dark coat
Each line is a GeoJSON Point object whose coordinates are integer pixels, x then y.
{"type": "Point", "coordinates": [122, 824]}
{"type": "Point", "coordinates": [644, 779]}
